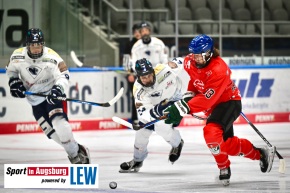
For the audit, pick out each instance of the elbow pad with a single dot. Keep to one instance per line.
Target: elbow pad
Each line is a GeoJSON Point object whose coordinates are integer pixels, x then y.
{"type": "Point", "coordinates": [62, 80]}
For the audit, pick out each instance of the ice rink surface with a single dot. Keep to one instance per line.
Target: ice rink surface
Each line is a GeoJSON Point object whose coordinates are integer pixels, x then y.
{"type": "Point", "coordinates": [195, 171]}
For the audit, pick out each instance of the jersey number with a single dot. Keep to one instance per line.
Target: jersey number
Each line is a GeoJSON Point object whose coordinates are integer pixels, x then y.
{"type": "Point", "coordinates": [209, 93]}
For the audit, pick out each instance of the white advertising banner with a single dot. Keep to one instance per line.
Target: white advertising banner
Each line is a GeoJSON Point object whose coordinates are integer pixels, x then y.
{"type": "Point", "coordinates": [265, 94]}
{"type": "Point", "coordinates": [51, 176]}
{"type": "Point", "coordinates": [263, 89]}
{"type": "Point", "coordinates": [255, 60]}
{"type": "Point", "coordinates": [90, 86]}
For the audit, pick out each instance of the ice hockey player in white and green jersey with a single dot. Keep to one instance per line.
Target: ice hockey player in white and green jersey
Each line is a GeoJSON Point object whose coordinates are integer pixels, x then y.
{"type": "Point", "coordinates": [154, 90]}
{"type": "Point", "coordinates": [39, 69]}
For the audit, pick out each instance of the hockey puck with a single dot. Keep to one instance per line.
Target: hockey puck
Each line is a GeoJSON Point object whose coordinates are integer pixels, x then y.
{"type": "Point", "coordinates": [113, 185]}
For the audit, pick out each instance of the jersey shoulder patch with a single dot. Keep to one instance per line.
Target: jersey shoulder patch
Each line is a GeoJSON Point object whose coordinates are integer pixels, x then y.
{"type": "Point", "coordinates": [158, 68]}
{"type": "Point", "coordinates": [52, 52]}
{"type": "Point", "coordinates": [18, 51]}
{"type": "Point", "coordinates": [17, 55]}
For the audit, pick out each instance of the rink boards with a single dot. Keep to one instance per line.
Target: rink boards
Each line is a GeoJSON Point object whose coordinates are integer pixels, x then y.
{"type": "Point", "coordinates": [265, 92]}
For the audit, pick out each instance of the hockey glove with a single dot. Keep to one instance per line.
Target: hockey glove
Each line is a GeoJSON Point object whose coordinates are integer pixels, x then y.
{"type": "Point", "coordinates": [158, 110]}
{"type": "Point", "coordinates": [17, 88]}
{"type": "Point", "coordinates": [176, 112]}
{"type": "Point", "coordinates": [54, 94]}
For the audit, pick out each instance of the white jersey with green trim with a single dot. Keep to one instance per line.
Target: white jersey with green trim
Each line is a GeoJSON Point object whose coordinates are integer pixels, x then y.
{"type": "Point", "coordinates": [167, 86]}
{"type": "Point", "coordinates": [38, 75]}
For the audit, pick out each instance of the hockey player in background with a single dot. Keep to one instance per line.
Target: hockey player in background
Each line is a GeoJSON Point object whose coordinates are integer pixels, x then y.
{"type": "Point", "coordinates": [154, 89]}
{"type": "Point", "coordinates": [131, 77]}
{"type": "Point", "coordinates": [151, 48]}
{"type": "Point", "coordinates": [39, 69]}
{"type": "Point", "coordinates": [211, 90]}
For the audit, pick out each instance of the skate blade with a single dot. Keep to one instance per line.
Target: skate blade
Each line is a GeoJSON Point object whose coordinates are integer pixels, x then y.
{"type": "Point", "coordinates": [129, 171]}
{"type": "Point", "coordinates": [171, 161]}
{"type": "Point", "coordinates": [225, 182]}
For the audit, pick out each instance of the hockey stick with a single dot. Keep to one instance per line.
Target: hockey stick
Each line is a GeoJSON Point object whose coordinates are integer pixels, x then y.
{"type": "Point", "coordinates": [136, 127]}
{"type": "Point", "coordinates": [81, 64]}
{"type": "Point", "coordinates": [107, 104]}
{"type": "Point", "coordinates": [75, 59]}
{"type": "Point", "coordinates": [282, 166]}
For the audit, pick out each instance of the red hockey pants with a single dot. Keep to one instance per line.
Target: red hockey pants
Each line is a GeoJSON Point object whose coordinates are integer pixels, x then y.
{"type": "Point", "coordinates": [233, 146]}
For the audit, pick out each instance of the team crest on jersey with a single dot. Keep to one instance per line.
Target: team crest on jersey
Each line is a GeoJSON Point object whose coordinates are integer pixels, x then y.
{"type": "Point", "coordinates": [157, 94]}
{"type": "Point", "coordinates": [199, 84]}
{"type": "Point", "coordinates": [214, 148]}
{"type": "Point", "coordinates": [34, 71]}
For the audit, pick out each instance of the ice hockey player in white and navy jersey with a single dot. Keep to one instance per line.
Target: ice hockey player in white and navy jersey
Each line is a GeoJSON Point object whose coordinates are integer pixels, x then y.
{"type": "Point", "coordinates": [39, 69]}
{"type": "Point", "coordinates": [149, 47]}
{"type": "Point", "coordinates": [154, 90]}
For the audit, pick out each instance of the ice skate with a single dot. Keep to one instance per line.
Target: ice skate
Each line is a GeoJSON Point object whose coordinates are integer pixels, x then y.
{"type": "Point", "coordinates": [225, 175]}
{"type": "Point", "coordinates": [83, 156]}
{"type": "Point", "coordinates": [175, 152]}
{"type": "Point", "coordinates": [267, 158]}
{"type": "Point", "coordinates": [130, 167]}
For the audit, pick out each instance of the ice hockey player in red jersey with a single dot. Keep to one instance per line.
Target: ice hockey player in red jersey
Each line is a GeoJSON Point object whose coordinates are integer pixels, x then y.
{"type": "Point", "coordinates": [210, 90]}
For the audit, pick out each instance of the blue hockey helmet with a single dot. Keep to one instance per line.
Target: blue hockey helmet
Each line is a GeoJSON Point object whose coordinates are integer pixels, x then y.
{"type": "Point", "coordinates": [201, 44]}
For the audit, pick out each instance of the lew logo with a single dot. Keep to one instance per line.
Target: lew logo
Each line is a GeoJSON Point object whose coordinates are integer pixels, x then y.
{"type": "Point", "coordinates": [51, 176]}
{"type": "Point", "coordinates": [248, 88]}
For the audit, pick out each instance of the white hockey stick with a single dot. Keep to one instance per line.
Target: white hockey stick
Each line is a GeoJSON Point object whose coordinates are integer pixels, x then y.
{"type": "Point", "coordinates": [136, 127]}
{"type": "Point", "coordinates": [122, 122]}
{"type": "Point", "coordinates": [75, 59]}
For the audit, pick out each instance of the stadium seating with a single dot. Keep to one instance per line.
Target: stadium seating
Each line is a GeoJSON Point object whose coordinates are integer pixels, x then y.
{"type": "Point", "coordinates": [214, 4]}
{"type": "Point", "coordinates": [164, 28]}
{"type": "Point", "coordinates": [274, 4]}
{"type": "Point", "coordinates": [206, 11]}
{"type": "Point", "coordinates": [284, 29]}
{"type": "Point", "coordinates": [236, 4]}
{"type": "Point", "coordinates": [226, 14]}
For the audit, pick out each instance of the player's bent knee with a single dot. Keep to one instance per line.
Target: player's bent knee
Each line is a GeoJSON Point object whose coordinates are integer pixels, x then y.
{"type": "Point", "coordinates": [58, 112]}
